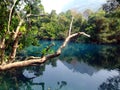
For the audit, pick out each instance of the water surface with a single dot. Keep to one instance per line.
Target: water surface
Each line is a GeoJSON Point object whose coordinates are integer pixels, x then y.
{"type": "Point", "coordinates": [80, 67]}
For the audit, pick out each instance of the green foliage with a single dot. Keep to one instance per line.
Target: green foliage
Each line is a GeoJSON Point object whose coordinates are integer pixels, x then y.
{"type": "Point", "coordinates": [3, 18]}
{"type": "Point", "coordinates": [103, 27]}
{"type": "Point", "coordinates": [46, 51]}
{"type": "Point", "coordinates": [51, 27]}
{"type": "Point", "coordinates": [55, 26]}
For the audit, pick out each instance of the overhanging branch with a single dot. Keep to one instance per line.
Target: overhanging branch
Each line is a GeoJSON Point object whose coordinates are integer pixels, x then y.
{"type": "Point", "coordinates": [43, 59]}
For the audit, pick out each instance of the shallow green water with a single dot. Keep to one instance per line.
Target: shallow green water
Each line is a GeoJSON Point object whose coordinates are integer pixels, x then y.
{"type": "Point", "coordinates": [80, 67]}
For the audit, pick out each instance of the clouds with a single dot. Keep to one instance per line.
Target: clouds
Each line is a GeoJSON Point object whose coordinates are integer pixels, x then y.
{"type": "Point", "coordinates": [63, 5]}
{"type": "Point", "coordinates": [57, 5]}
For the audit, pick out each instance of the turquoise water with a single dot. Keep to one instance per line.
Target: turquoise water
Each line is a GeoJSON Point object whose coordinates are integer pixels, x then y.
{"type": "Point", "coordinates": [80, 67]}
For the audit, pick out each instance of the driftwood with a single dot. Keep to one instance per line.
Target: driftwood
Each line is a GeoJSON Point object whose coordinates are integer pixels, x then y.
{"type": "Point", "coordinates": [40, 60]}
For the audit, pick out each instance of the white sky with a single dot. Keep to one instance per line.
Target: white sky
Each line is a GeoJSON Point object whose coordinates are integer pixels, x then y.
{"type": "Point", "coordinates": [63, 5]}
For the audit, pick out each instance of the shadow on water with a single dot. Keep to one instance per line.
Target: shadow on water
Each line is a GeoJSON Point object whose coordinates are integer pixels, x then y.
{"type": "Point", "coordinates": [81, 58]}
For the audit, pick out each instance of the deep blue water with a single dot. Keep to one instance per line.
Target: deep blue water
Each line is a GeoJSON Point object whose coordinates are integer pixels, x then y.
{"type": "Point", "coordinates": [79, 67]}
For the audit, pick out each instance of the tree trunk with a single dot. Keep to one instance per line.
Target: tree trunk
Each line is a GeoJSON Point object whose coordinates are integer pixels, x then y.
{"type": "Point", "coordinates": [15, 43]}
{"type": "Point", "coordinates": [14, 49]}
{"type": "Point", "coordinates": [2, 50]}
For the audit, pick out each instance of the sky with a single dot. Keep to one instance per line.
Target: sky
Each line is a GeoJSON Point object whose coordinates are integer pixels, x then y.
{"type": "Point", "coordinates": [64, 5]}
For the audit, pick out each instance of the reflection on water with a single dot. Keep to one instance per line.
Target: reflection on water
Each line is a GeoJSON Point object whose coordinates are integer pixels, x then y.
{"type": "Point", "coordinates": [80, 77]}
{"type": "Point", "coordinates": [112, 83]}
{"type": "Point", "coordinates": [80, 67]}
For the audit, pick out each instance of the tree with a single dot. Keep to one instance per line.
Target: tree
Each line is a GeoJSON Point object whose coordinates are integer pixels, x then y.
{"type": "Point", "coordinates": [87, 13]}
{"type": "Point", "coordinates": [111, 5]}
{"type": "Point", "coordinates": [20, 16]}
{"type": "Point", "coordinates": [104, 27]}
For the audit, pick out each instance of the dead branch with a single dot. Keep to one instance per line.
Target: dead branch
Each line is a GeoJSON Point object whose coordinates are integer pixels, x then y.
{"type": "Point", "coordinates": [40, 60]}
{"type": "Point", "coordinates": [70, 26]}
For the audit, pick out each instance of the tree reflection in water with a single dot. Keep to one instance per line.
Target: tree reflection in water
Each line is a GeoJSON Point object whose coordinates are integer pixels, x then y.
{"type": "Point", "coordinates": [101, 56]}
{"type": "Point", "coordinates": [112, 83]}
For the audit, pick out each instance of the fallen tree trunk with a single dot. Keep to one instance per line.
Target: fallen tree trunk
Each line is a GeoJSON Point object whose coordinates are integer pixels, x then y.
{"type": "Point", "coordinates": [40, 60]}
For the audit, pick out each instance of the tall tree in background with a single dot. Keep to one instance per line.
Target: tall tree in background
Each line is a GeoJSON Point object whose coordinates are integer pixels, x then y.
{"type": "Point", "coordinates": [111, 5]}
